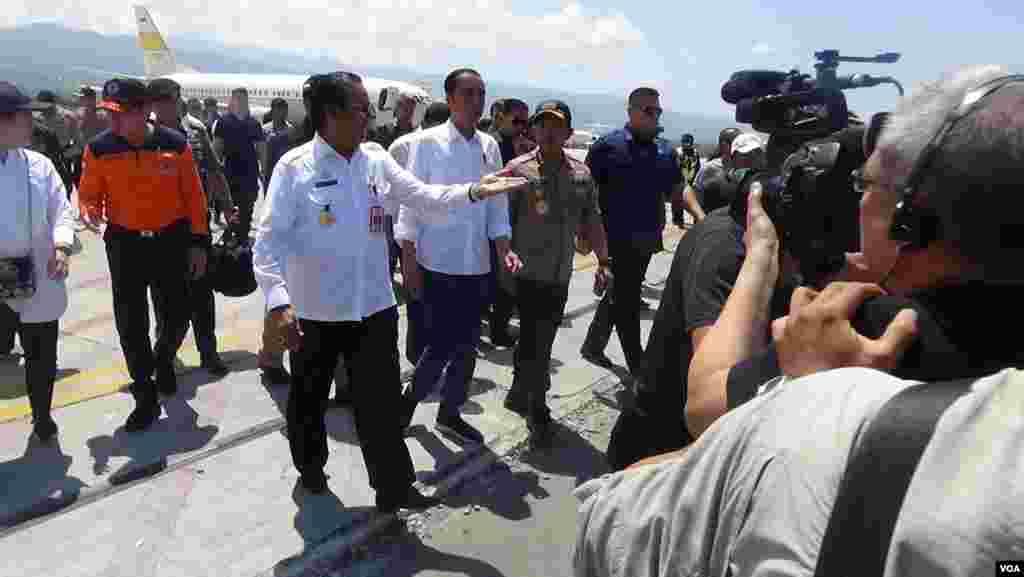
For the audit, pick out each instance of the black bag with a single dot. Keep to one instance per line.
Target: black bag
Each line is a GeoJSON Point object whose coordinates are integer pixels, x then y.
{"type": "Point", "coordinates": [18, 274]}
{"type": "Point", "coordinates": [230, 267]}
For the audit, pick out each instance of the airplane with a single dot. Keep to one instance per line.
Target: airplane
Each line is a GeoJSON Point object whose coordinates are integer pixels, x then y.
{"type": "Point", "coordinates": [159, 62]}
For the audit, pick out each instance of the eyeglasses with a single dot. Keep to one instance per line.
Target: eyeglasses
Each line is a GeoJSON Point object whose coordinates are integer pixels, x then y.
{"type": "Point", "coordinates": [860, 182]}
{"type": "Point", "coordinates": [652, 111]}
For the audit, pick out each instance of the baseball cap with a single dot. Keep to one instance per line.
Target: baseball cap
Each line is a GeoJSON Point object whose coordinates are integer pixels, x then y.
{"type": "Point", "coordinates": [555, 107]}
{"type": "Point", "coordinates": [161, 88]}
{"type": "Point", "coordinates": [121, 94]}
{"type": "Point", "coordinates": [746, 142]}
{"type": "Point", "coordinates": [14, 100]}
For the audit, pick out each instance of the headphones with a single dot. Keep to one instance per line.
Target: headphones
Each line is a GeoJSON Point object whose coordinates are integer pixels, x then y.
{"type": "Point", "coordinates": [918, 226]}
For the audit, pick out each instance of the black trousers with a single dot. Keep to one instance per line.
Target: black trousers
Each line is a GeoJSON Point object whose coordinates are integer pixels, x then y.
{"type": "Point", "coordinates": [200, 311]}
{"type": "Point", "coordinates": [246, 202]}
{"type": "Point", "coordinates": [499, 310]}
{"type": "Point", "coordinates": [620, 307]}
{"type": "Point", "coordinates": [370, 349]}
{"type": "Point", "coordinates": [39, 340]}
{"type": "Point", "coordinates": [159, 265]}
{"type": "Point", "coordinates": [541, 309]}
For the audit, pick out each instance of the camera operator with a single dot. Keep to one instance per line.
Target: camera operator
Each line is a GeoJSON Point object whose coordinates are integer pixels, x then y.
{"type": "Point", "coordinates": [947, 263]}
{"type": "Point", "coordinates": [756, 494]}
{"type": "Point", "coordinates": [712, 188]}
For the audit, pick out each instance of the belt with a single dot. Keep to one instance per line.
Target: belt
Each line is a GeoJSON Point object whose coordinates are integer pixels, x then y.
{"type": "Point", "coordinates": [176, 227]}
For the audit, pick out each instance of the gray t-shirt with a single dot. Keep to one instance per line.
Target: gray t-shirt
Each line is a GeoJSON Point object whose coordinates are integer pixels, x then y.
{"type": "Point", "coordinates": [753, 495]}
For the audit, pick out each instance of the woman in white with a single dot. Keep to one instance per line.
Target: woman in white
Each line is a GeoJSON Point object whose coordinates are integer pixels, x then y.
{"type": "Point", "coordinates": [36, 235]}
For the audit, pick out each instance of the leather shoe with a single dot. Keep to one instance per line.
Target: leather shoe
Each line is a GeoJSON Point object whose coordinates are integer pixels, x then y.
{"type": "Point", "coordinates": [44, 430]}
{"type": "Point", "coordinates": [214, 365]}
{"type": "Point", "coordinates": [166, 382]}
{"type": "Point", "coordinates": [596, 357]}
{"type": "Point", "coordinates": [315, 483]}
{"type": "Point", "coordinates": [142, 418]}
{"type": "Point", "coordinates": [412, 499]}
{"type": "Point", "coordinates": [276, 375]}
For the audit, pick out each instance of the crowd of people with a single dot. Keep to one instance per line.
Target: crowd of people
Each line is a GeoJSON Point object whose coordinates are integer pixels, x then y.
{"type": "Point", "coordinates": [759, 377]}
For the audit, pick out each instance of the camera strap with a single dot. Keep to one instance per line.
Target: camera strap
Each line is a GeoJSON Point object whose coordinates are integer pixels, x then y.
{"type": "Point", "coordinates": [877, 476]}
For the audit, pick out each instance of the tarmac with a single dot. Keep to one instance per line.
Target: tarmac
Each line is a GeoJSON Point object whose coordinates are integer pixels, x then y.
{"type": "Point", "coordinates": [211, 489]}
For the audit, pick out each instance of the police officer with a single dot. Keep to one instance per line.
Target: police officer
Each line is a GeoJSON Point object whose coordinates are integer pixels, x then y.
{"type": "Point", "coordinates": [325, 219]}
{"type": "Point", "coordinates": [166, 95]}
{"type": "Point", "coordinates": [562, 200]}
{"type": "Point", "coordinates": [141, 180]}
{"type": "Point", "coordinates": [689, 162]}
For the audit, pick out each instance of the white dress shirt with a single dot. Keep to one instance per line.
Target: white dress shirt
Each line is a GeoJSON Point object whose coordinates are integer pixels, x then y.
{"type": "Point", "coordinates": [25, 175]}
{"type": "Point", "coordinates": [337, 271]}
{"type": "Point", "coordinates": [454, 242]}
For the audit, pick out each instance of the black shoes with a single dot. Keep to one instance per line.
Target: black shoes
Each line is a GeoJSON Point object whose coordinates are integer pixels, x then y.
{"type": "Point", "coordinates": [503, 339]}
{"type": "Point", "coordinates": [455, 426]}
{"type": "Point", "coordinates": [315, 483]}
{"type": "Point", "coordinates": [215, 365]}
{"type": "Point", "coordinates": [45, 430]}
{"type": "Point", "coordinates": [276, 375]}
{"type": "Point", "coordinates": [142, 418]}
{"type": "Point", "coordinates": [541, 431]}
{"type": "Point", "coordinates": [517, 404]}
{"type": "Point", "coordinates": [412, 499]}
{"type": "Point", "coordinates": [596, 357]}
{"type": "Point", "coordinates": [166, 382]}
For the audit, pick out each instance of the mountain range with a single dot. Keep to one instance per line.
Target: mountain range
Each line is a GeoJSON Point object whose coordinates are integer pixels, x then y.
{"type": "Point", "coordinates": [48, 55]}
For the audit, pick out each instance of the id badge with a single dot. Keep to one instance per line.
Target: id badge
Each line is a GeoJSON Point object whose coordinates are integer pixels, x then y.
{"type": "Point", "coordinates": [376, 220]}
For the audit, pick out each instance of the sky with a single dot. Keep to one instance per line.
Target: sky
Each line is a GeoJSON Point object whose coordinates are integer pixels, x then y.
{"type": "Point", "coordinates": [685, 49]}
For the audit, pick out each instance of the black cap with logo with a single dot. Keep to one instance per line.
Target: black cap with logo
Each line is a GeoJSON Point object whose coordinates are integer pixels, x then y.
{"type": "Point", "coordinates": [13, 100]}
{"type": "Point", "coordinates": [122, 94]}
{"type": "Point", "coordinates": [556, 108]}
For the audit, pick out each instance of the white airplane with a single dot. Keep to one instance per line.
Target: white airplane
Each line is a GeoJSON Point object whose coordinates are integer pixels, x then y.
{"type": "Point", "coordinates": [160, 62]}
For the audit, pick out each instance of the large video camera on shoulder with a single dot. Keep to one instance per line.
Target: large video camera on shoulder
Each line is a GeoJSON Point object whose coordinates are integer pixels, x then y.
{"type": "Point", "coordinates": [795, 106]}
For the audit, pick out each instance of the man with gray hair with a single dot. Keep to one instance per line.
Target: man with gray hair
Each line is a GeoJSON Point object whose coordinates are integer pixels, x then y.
{"type": "Point", "coordinates": [760, 492]}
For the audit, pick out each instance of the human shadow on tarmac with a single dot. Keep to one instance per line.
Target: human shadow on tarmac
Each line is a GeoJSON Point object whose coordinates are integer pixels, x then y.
{"type": "Point", "coordinates": [507, 505]}
{"type": "Point", "coordinates": [36, 483]}
{"type": "Point", "coordinates": [177, 432]}
{"type": "Point", "coordinates": [568, 454]}
{"type": "Point", "coordinates": [411, 556]}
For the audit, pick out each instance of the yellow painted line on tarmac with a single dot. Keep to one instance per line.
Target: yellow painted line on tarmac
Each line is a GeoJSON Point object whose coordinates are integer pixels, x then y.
{"type": "Point", "coordinates": [106, 380]}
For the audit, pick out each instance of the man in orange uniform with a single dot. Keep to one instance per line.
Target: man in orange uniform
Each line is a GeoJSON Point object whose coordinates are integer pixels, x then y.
{"type": "Point", "coordinates": [141, 180]}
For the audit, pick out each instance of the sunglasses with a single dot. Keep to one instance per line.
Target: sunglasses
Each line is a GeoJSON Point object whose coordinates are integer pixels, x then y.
{"type": "Point", "coordinates": [652, 111]}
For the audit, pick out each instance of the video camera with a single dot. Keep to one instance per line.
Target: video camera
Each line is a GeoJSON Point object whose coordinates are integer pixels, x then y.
{"type": "Point", "coordinates": [794, 106]}
{"type": "Point", "coordinates": [812, 201]}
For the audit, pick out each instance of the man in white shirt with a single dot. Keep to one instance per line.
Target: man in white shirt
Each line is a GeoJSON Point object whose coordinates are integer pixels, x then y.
{"type": "Point", "coordinates": [36, 235]}
{"type": "Point", "coordinates": [454, 252]}
{"type": "Point", "coordinates": [437, 113]}
{"type": "Point", "coordinates": [321, 259]}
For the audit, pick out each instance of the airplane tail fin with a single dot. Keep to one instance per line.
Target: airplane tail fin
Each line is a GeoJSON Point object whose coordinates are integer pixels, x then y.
{"type": "Point", "coordinates": [157, 56]}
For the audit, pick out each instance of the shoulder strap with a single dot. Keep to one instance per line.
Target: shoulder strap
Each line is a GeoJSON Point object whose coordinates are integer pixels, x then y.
{"type": "Point", "coordinates": [871, 493]}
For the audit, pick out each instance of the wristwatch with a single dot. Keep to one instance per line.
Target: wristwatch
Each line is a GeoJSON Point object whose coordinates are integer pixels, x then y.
{"type": "Point", "coordinates": [474, 190]}
{"type": "Point", "coordinates": [64, 249]}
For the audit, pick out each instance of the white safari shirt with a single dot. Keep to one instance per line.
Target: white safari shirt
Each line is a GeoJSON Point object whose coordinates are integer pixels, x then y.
{"type": "Point", "coordinates": [27, 176]}
{"type": "Point", "coordinates": [320, 243]}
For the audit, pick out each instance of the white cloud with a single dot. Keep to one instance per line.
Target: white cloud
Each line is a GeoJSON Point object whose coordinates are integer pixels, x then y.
{"type": "Point", "coordinates": [763, 48]}
{"type": "Point", "coordinates": [410, 33]}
